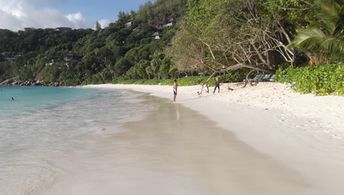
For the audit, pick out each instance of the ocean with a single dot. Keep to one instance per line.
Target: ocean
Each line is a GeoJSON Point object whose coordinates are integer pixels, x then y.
{"type": "Point", "coordinates": [43, 128]}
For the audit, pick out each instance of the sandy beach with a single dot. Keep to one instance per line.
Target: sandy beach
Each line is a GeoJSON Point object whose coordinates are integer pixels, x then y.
{"type": "Point", "coordinates": [175, 150]}
{"type": "Point", "coordinates": [303, 134]}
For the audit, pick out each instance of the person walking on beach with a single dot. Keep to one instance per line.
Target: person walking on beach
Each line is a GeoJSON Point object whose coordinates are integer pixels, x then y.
{"type": "Point", "coordinates": [217, 85]}
{"type": "Point", "coordinates": [175, 88]}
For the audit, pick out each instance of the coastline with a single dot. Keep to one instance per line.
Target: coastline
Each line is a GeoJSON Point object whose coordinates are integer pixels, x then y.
{"type": "Point", "coordinates": [303, 132]}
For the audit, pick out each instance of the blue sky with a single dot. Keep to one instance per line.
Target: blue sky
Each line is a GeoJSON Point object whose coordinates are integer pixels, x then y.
{"type": "Point", "coordinates": [99, 9]}
{"type": "Point", "coordinates": [18, 14]}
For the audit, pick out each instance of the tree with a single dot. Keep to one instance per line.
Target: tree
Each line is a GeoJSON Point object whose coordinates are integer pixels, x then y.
{"type": "Point", "coordinates": [234, 35]}
{"type": "Point", "coordinates": [324, 38]}
{"type": "Point", "coordinates": [123, 18]}
{"type": "Point", "coordinates": [122, 66]}
{"type": "Point", "coordinates": [98, 26]}
{"type": "Point", "coordinates": [138, 71]}
{"type": "Point", "coordinates": [186, 51]}
{"type": "Point", "coordinates": [155, 64]}
{"type": "Point", "coordinates": [73, 56]}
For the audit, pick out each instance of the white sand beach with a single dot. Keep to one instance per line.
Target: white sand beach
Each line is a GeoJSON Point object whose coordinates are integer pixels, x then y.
{"type": "Point", "coordinates": [303, 132]}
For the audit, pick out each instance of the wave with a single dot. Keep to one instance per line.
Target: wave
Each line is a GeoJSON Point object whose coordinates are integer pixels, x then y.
{"type": "Point", "coordinates": [34, 142]}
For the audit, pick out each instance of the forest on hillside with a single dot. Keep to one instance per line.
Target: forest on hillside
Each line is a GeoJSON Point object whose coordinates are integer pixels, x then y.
{"type": "Point", "coordinates": [131, 47]}
{"type": "Point", "coordinates": [174, 38]}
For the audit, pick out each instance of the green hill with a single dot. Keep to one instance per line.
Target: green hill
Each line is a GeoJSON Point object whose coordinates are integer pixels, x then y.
{"type": "Point", "coordinates": [127, 48]}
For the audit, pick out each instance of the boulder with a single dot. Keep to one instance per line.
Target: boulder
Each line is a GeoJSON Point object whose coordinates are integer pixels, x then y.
{"type": "Point", "coordinates": [7, 82]}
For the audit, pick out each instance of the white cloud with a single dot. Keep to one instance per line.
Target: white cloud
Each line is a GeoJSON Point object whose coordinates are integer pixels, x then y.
{"type": "Point", "coordinates": [104, 23]}
{"type": "Point", "coordinates": [13, 8]}
{"type": "Point", "coordinates": [76, 18]}
{"type": "Point", "coordinates": [19, 14]}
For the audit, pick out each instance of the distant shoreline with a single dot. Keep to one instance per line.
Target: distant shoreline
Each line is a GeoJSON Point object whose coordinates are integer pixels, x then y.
{"type": "Point", "coordinates": [15, 82]}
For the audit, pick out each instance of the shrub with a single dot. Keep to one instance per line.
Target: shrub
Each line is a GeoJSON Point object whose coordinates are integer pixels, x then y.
{"type": "Point", "coordinates": [236, 76]}
{"type": "Point", "coordinates": [183, 81]}
{"type": "Point", "coordinates": [320, 79]}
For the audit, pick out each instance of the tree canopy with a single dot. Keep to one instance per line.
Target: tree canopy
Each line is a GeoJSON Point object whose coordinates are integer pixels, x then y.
{"type": "Point", "coordinates": [167, 37]}
{"type": "Point", "coordinates": [80, 56]}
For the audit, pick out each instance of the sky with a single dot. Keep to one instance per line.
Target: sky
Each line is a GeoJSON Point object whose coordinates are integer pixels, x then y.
{"type": "Point", "coordinates": [19, 14]}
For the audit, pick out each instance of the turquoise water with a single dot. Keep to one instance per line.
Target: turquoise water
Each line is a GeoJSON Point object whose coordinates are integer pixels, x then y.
{"type": "Point", "coordinates": [30, 98]}
{"type": "Point", "coordinates": [43, 128]}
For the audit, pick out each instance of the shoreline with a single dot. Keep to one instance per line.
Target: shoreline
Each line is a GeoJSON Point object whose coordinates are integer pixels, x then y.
{"type": "Point", "coordinates": [301, 131]}
{"type": "Point", "coordinates": [181, 152]}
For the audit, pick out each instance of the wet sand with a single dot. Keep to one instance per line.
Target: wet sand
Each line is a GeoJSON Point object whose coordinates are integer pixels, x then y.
{"type": "Point", "coordinates": [304, 132]}
{"type": "Point", "coordinates": [176, 151]}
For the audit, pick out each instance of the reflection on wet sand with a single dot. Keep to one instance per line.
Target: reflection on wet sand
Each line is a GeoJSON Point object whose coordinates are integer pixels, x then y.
{"type": "Point", "coordinates": [177, 151]}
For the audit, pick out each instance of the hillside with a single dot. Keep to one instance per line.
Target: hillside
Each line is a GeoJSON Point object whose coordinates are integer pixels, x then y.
{"type": "Point", "coordinates": [172, 38]}
{"type": "Point", "coordinates": [128, 48]}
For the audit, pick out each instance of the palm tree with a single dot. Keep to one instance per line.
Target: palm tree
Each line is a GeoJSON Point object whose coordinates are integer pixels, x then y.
{"type": "Point", "coordinates": [324, 39]}
{"type": "Point", "coordinates": [156, 63]}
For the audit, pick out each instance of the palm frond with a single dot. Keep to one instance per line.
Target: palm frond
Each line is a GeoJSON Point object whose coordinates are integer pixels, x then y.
{"type": "Point", "coordinates": [309, 39]}
{"type": "Point", "coordinates": [331, 45]}
{"type": "Point", "coordinates": [326, 35]}
{"type": "Point", "coordinates": [339, 29]}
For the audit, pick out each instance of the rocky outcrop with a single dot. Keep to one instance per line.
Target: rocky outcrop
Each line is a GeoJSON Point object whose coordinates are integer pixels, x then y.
{"type": "Point", "coordinates": [8, 81]}
{"type": "Point", "coordinates": [15, 82]}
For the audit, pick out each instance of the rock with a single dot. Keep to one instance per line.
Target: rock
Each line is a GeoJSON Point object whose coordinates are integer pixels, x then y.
{"type": "Point", "coordinates": [7, 82]}
{"type": "Point", "coordinates": [38, 83]}
{"type": "Point", "coordinates": [27, 83]}
{"type": "Point", "coordinates": [15, 83]}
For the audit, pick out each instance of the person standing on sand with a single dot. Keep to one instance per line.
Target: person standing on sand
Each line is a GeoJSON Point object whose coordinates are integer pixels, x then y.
{"type": "Point", "coordinates": [175, 87]}
{"type": "Point", "coordinates": [217, 85]}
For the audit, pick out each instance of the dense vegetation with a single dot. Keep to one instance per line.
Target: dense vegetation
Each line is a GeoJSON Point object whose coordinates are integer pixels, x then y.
{"type": "Point", "coordinates": [183, 81]}
{"type": "Point", "coordinates": [320, 79]}
{"type": "Point", "coordinates": [258, 34]}
{"type": "Point", "coordinates": [130, 48]}
{"type": "Point", "coordinates": [26, 54]}
{"type": "Point", "coordinates": [174, 38]}
{"type": "Point", "coordinates": [251, 36]}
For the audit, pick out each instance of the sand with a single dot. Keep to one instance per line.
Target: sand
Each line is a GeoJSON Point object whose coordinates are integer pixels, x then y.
{"type": "Point", "coordinates": [176, 151]}
{"type": "Point", "coordinates": [301, 132]}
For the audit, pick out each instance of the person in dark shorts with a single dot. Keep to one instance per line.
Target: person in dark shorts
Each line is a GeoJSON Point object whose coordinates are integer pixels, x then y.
{"type": "Point", "coordinates": [217, 85]}
{"type": "Point", "coordinates": [175, 89]}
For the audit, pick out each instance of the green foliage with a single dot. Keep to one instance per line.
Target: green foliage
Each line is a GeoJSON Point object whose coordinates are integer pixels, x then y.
{"type": "Point", "coordinates": [183, 81]}
{"type": "Point", "coordinates": [241, 34]}
{"type": "Point", "coordinates": [26, 53]}
{"type": "Point", "coordinates": [295, 12]}
{"type": "Point", "coordinates": [125, 48]}
{"type": "Point", "coordinates": [205, 35]}
{"type": "Point", "coordinates": [160, 12]}
{"type": "Point", "coordinates": [202, 12]}
{"type": "Point", "coordinates": [98, 26]}
{"type": "Point", "coordinates": [236, 76]}
{"type": "Point", "coordinates": [324, 38]}
{"type": "Point", "coordinates": [320, 80]}
{"type": "Point", "coordinates": [190, 80]}
{"type": "Point", "coordinates": [138, 70]}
